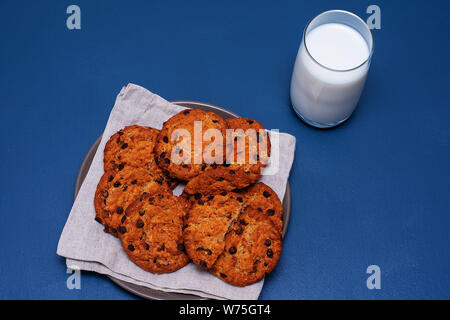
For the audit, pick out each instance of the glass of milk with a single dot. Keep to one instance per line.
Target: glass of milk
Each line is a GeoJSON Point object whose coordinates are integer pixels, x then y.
{"type": "Point", "coordinates": [331, 68]}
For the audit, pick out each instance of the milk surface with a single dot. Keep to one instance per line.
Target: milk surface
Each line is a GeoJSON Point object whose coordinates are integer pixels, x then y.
{"type": "Point", "coordinates": [325, 87]}
{"type": "Point", "coordinates": [337, 46]}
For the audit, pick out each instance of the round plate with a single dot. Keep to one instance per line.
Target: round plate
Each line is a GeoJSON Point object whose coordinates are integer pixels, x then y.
{"type": "Point", "coordinates": [145, 292]}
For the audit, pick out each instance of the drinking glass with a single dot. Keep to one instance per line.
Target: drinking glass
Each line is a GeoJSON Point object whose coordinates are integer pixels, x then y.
{"type": "Point", "coordinates": [326, 95]}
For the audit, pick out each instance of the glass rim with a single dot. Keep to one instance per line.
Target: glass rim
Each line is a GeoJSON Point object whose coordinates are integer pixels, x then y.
{"type": "Point", "coordinates": [353, 15]}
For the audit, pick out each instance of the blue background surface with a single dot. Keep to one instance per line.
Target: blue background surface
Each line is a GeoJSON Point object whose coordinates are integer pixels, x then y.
{"type": "Point", "coordinates": [373, 191]}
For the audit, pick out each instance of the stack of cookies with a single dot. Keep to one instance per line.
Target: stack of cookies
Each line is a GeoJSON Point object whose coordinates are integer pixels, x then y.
{"type": "Point", "coordinates": [224, 221]}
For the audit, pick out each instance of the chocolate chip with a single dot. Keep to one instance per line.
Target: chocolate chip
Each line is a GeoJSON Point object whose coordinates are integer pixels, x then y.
{"type": "Point", "coordinates": [117, 184]}
{"type": "Point", "coordinates": [267, 242]}
{"type": "Point", "coordinates": [119, 210]}
{"type": "Point", "coordinates": [221, 179]}
{"type": "Point", "coordinates": [260, 210]}
{"type": "Point", "coordinates": [104, 193]}
{"type": "Point", "coordinates": [162, 248]}
{"type": "Point", "coordinates": [250, 121]}
{"type": "Point", "coordinates": [203, 167]}
{"type": "Point", "coordinates": [141, 212]}
{"type": "Point", "coordinates": [124, 146]}
{"type": "Point", "coordinates": [243, 222]}
{"type": "Point", "coordinates": [98, 219]}
{"type": "Point", "coordinates": [265, 264]}
{"type": "Point", "coordinates": [156, 160]}
{"type": "Point", "coordinates": [185, 166]}
{"type": "Point", "coordinates": [232, 250]}
{"type": "Point", "coordinates": [122, 229]}
{"type": "Point", "coordinates": [184, 227]}
{"type": "Point", "coordinates": [110, 178]}
{"type": "Point", "coordinates": [224, 193]}
{"type": "Point", "coordinates": [120, 133]}
{"type": "Point", "coordinates": [113, 230]}
{"type": "Point", "coordinates": [130, 247]}
{"type": "Point", "coordinates": [125, 188]}
{"type": "Point", "coordinates": [165, 139]}
{"type": "Point", "coordinates": [210, 197]}
{"type": "Point", "coordinates": [269, 253]}
{"type": "Point", "coordinates": [120, 166]}
{"type": "Point", "coordinates": [197, 196]}
{"type": "Point", "coordinates": [232, 172]}
{"type": "Point", "coordinates": [146, 246]}
{"type": "Point", "coordinates": [139, 223]}
{"type": "Point", "coordinates": [270, 212]}
{"type": "Point", "coordinates": [239, 199]}
{"type": "Point", "coordinates": [201, 202]}
{"type": "Point", "coordinates": [158, 181]}
{"type": "Point", "coordinates": [223, 275]}
{"type": "Point", "coordinates": [167, 160]}
{"type": "Point", "coordinates": [134, 181]}
{"type": "Point", "coordinates": [151, 199]}
{"type": "Point", "coordinates": [180, 247]}
{"type": "Point", "coordinates": [123, 218]}
{"type": "Point", "coordinates": [215, 121]}
{"type": "Point", "coordinates": [162, 155]}
{"type": "Point", "coordinates": [166, 172]}
{"type": "Point", "coordinates": [185, 112]}
{"type": "Point", "coordinates": [203, 264]}
{"type": "Point", "coordinates": [239, 231]}
{"type": "Point", "coordinates": [266, 194]}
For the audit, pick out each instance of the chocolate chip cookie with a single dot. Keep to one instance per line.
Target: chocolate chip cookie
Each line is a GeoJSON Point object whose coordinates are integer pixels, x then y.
{"type": "Point", "coordinates": [117, 189]}
{"type": "Point", "coordinates": [247, 152]}
{"type": "Point", "coordinates": [133, 146]}
{"type": "Point", "coordinates": [184, 154]}
{"type": "Point", "coordinates": [252, 250]}
{"type": "Point", "coordinates": [265, 201]}
{"type": "Point", "coordinates": [151, 234]}
{"type": "Point", "coordinates": [250, 144]}
{"type": "Point", "coordinates": [254, 243]}
{"type": "Point", "coordinates": [207, 223]}
{"type": "Point", "coordinates": [130, 146]}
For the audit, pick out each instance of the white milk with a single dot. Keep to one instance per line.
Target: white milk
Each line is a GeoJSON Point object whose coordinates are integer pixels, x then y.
{"type": "Point", "coordinates": [326, 91]}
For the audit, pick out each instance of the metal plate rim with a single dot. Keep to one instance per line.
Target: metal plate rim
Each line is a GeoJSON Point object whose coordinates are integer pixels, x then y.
{"type": "Point", "coordinates": [157, 294]}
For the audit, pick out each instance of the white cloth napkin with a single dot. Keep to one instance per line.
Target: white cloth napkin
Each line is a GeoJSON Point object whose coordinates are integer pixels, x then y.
{"type": "Point", "coordinates": [86, 247]}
